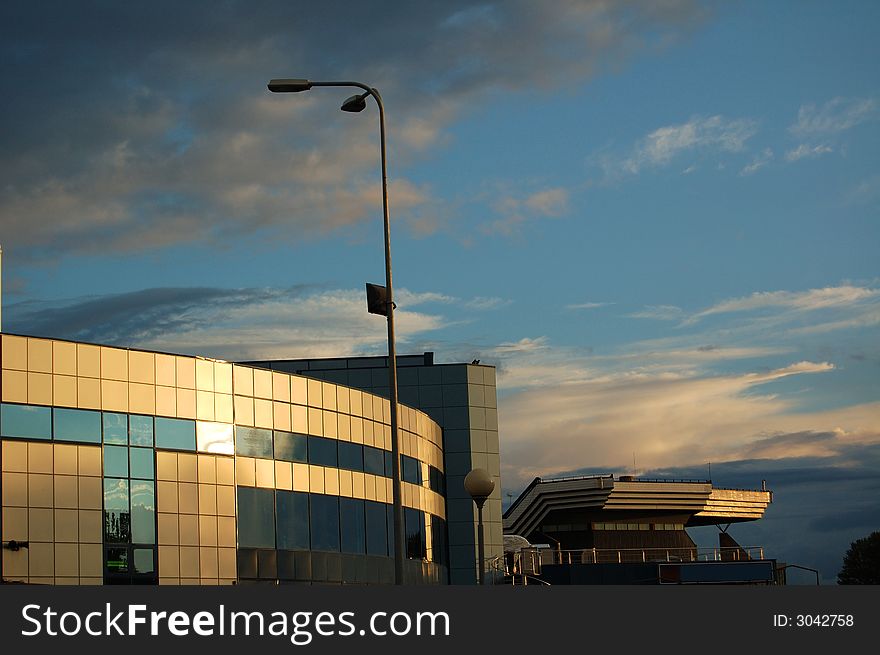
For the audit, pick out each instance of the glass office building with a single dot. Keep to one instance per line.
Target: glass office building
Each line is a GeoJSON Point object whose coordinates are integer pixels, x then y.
{"type": "Point", "coordinates": [124, 466]}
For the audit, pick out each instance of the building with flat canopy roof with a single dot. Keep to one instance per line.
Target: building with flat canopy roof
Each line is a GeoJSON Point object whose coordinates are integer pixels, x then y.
{"type": "Point", "coordinates": [602, 529]}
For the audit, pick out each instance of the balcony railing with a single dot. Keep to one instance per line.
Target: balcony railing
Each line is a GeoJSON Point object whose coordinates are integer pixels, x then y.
{"type": "Point", "coordinates": [528, 561]}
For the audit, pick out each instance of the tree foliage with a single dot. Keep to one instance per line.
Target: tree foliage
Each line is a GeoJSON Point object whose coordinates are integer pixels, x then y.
{"type": "Point", "coordinates": [861, 564]}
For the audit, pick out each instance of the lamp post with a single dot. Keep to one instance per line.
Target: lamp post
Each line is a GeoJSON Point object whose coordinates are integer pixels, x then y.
{"type": "Point", "coordinates": [357, 103]}
{"type": "Point", "coordinates": [480, 485]}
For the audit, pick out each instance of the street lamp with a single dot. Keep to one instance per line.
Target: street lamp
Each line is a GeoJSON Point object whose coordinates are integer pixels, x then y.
{"type": "Point", "coordinates": [357, 103]}
{"type": "Point", "coordinates": [480, 485]}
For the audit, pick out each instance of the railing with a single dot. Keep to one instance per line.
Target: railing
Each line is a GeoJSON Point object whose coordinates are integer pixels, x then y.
{"type": "Point", "coordinates": [630, 555]}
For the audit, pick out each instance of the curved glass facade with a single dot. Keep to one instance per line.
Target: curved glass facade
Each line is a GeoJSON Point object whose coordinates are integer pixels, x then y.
{"type": "Point", "coordinates": [132, 467]}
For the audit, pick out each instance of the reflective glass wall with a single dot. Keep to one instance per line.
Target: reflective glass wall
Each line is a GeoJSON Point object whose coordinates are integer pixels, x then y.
{"type": "Point", "coordinates": [127, 467]}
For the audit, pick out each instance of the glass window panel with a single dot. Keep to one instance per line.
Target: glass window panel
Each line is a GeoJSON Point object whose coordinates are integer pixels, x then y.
{"type": "Point", "coordinates": [374, 461]}
{"type": "Point", "coordinates": [144, 561]}
{"type": "Point", "coordinates": [438, 540]}
{"type": "Point", "coordinates": [143, 512]}
{"type": "Point", "coordinates": [322, 452]}
{"type": "Point", "coordinates": [291, 447]}
{"type": "Point", "coordinates": [389, 520]}
{"type": "Point", "coordinates": [389, 464]}
{"type": "Point", "coordinates": [141, 463]}
{"type": "Point", "coordinates": [77, 425]}
{"type": "Point", "coordinates": [214, 438]}
{"type": "Point", "coordinates": [256, 518]}
{"type": "Point", "coordinates": [141, 431]}
{"type": "Point", "coordinates": [253, 442]}
{"type": "Point", "coordinates": [436, 480]}
{"type": "Point", "coordinates": [117, 520]}
{"type": "Point", "coordinates": [351, 522]}
{"type": "Point", "coordinates": [351, 456]}
{"type": "Point", "coordinates": [377, 531]}
{"type": "Point", "coordinates": [115, 428]}
{"type": "Point", "coordinates": [410, 470]}
{"type": "Point", "coordinates": [414, 522]}
{"type": "Point", "coordinates": [117, 559]}
{"type": "Point", "coordinates": [175, 434]}
{"type": "Point", "coordinates": [116, 461]}
{"type": "Point", "coordinates": [324, 519]}
{"type": "Point", "coordinates": [26, 422]}
{"type": "Point", "coordinates": [293, 520]}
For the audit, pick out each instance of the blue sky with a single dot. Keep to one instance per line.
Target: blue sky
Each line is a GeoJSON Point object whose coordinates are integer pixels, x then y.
{"type": "Point", "coordinates": [658, 220]}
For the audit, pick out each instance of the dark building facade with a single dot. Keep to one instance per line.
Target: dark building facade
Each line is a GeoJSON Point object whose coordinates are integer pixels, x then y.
{"type": "Point", "coordinates": [461, 399]}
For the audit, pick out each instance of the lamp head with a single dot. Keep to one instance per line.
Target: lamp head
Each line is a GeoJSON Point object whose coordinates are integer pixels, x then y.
{"type": "Point", "coordinates": [289, 86]}
{"type": "Point", "coordinates": [479, 484]}
{"type": "Point", "coordinates": [355, 103]}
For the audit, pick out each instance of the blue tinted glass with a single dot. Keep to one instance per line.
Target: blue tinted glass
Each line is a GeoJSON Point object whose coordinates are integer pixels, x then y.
{"type": "Point", "coordinates": [144, 560]}
{"type": "Point", "coordinates": [253, 442]}
{"type": "Point", "coordinates": [291, 447]}
{"type": "Point", "coordinates": [115, 428]}
{"type": "Point", "coordinates": [377, 535]}
{"type": "Point", "coordinates": [351, 456]}
{"type": "Point", "coordinates": [176, 434]}
{"type": "Point", "coordinates": [374, 461]}
{"type": "Point", "coordinates": [27, 422]}
{"type": "Point", "coordinates": [77, 425]}
{"type": "Point", "coordinates": [117, 519]}
{"type": "Point", "coordinates": [322, 452]}
{"type": "Point", "coordinates": [141, 463]}
{"type": "Point", "coordinates": [256, 518]}
{"type": "Point", "coordinates": [389, 463]}
{"type": "Point", "coordinates": [141, 430]}
{"type": "Point", "coordinates": [324, 515]}
{"type": "Point", "coordinates": [116, 461]}
{"type": "Point", "coordinates": [143, 512]}
{"type": "Point", "coordinates": [410, 470]}
{"type": "Point", "coordinates": [293, 520]}
{"type": "Point", "coordinates": [351, 523]}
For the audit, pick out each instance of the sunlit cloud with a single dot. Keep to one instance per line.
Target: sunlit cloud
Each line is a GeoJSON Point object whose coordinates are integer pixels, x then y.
{"type": "Point", "coordinates": [804, 151]}
{"type": "Point", "coordinates": [758, 162]}
{"type": "Point", "coordinates": [665, 144]}
{"type": "Point", "coordinates": [834, 116]}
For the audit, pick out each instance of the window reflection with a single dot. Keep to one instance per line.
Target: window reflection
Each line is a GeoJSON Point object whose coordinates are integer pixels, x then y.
{"type": "Point", "coordinates": [291, 447]}
{"type": "Point", "coordinates": [141, 463]}
{"type": "Point", "coordinates": [25, 421]}
{"type": "Point", "coordinates": [214, 438]}
{"type": "Point", "coordinates": [374, 461]}
{"type": "Point", "coordinates": [175, 434]}
{"type": "Point", "coordinates": [376, 529]}
{"type": "Point", "coordinates": [322, 451]}
{"type": "Point", "coordinates": [253, 442]}
{"type": "Point", "coordinates": [293, 520]}
{"type": "Point", "coordinates": [351, 456]}
{"type": "Point", "coordinates": [116, 461]}
{"type": "Point", "coordinates": [117, 519]}
{"type": "Point", "coordinates": [115, 428]}
{"type": "Point", "coordinates": [143, 512]}
{"type": "Point", "coordinates": [351, 522]}
{"type": "Point", "coordinates": [324, 514]}
{"type": "Point", "coordinates": [77, 425]}
{"type": "Point", "coordinates": [141, 430]}
{"type": "Point", "coordinates": [256, 518]}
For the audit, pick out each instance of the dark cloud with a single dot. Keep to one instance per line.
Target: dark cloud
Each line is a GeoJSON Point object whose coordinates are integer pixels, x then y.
{"type": "Point", "coordinates": [137, 316]}
{"type": "Point", "coordinates": [133, 125]}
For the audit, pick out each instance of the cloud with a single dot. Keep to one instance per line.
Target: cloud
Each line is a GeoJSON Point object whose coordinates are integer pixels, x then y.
{"type": "Point", "coordinates": [231, 323]}
{"type": "Point", "coordinates": [130, 131]}
{"type": "Point", "coordinates": [588, 305]}
{"type": "Point", "coordinates": [804, 151]}
{"type": "Point", "coordinates": [668, 420]}
{"type": "Point", "coordinates": [515, 210]}
{"type": "Point", "coordinates": [834, 116]}
{"type": "Point", "coordinates": [758, 162]}
{"type": "Point", "coordinates": [659, 312]}
{"type": "Point", "coordinates": [800, 301]}
{"type": "Point", "coordinates": [663, 145]}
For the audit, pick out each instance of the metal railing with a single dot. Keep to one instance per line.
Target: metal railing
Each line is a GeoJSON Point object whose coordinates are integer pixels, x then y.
{"type": "Point", "coordinates": [651, 554]}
